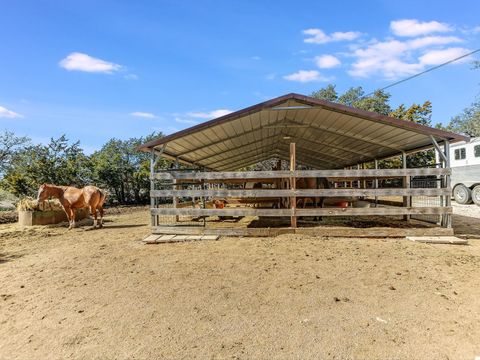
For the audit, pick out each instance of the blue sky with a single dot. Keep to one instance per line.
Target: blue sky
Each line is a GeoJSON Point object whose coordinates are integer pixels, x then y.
{"type": "Point", "coordinates": [94, 70]}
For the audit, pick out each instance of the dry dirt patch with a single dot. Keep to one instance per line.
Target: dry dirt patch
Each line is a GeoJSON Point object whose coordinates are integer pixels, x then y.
{"type": "Point", "coordinates": [103, 295]}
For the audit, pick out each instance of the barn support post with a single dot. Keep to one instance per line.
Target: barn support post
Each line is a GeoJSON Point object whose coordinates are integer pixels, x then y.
{"type": "Point", "coordinates": [155, 157]}
{"type": "Point", "coordinates": [406, 185]}
{"type": "Point", "coordinates": [175, 187]}
{"type": "Point", "coordinates": [293, 184]}
{"type": "Point", "coordinates": [153, 219]}
{"type": "Point", "coordinates": [358, 181]}
{"type": "Point", "coordinates": [448, 184]}
{"type": "Point", "coordinates": [375, 183]}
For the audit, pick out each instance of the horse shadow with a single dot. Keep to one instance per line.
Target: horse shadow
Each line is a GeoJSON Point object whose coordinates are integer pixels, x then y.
{"type": "Point", "coordinates": [5, 257]}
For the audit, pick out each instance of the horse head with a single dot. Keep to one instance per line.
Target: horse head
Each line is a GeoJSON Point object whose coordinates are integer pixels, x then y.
{"type": "Point", "coordinates": [42, 193]}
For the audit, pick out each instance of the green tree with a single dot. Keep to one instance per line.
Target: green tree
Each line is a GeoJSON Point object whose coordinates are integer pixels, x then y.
{"type": "Point", "coordinates": [355, 97]}
{"type": "Point", "coordinates": [379, 102]}
{"type": "Point", "coordinates": [10, 145]}
{"type": "Point", "coordinates": [468, 121]}
{"type": "Point", "coordinates": [419, 114]}
{"type": "Point", "coordinates": [59, 162]}
{"type": "Point", "coordinates": [328, 93]}
{"type": "Point", "coordinates": [123, 170]}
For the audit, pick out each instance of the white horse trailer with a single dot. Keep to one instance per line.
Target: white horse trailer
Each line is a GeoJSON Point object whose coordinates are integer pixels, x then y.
{"type": "Point", "coordinates": [465, 165]}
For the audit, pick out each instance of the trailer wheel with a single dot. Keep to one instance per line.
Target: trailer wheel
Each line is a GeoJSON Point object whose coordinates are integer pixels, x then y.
{"type": "Point", "coordinates": [462, 194]}
{"type": "Point", "coordinates": [476, 195]}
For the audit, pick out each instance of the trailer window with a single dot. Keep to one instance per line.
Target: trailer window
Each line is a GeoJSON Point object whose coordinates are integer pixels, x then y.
{"type": "Point", "coordinates": [476, 150]}
{"type": "Point", "coordinates": [460, 154]}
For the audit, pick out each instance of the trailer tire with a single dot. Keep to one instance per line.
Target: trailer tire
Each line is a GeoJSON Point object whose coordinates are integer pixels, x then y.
{"type": "Point", "coordinates": [476, 195]}
{"type": "Point", "coordinates": [462, 194]}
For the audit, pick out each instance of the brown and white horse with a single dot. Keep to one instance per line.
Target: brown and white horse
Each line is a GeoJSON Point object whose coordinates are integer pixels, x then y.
{"type": "Point", "coordinates": [311, 183]}
{"type": "Point", "coordinates": [72, 198]}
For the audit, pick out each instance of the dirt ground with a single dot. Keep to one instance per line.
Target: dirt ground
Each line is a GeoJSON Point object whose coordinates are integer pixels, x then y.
{"type": "Point", "coordinates": [104, 295]}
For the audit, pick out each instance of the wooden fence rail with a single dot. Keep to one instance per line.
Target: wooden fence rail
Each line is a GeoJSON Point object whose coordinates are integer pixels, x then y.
{"type": "Point", "coordinates": [177, 183]}
{"type": "Point", "coordinates": [276, 193]}
{"type": "Point", "coordinates": [303, 212]}
{"type": "Point", "coordinates": [197, 175]}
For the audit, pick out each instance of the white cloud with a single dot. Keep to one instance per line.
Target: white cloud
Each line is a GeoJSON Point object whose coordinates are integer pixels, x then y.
{"type": "Point", "coordinates": [413, 27]}
{"type": "Point", "coordinates": [5, 113]}
{"type": "Point", "coordinates": [317, 36]}
{"type": "Point", "coordinates": [436, 57]}
{"type": "Point", "coordinates": [395, 58]}
{"type": "Point", "coordinates": [131, 77]}
{"type": "Point", "coordinates": [432, 40]}
{"type": "Point", "coordinates": [142, 114]}
{"type": "Point", "coordinates": [83, 62]}
{"type": "Point", "coordinates": [186, 121]}
{"type": "Point", "coordinates": [305, 76]}
{"type": "Point", "coordinates": [327, 61]}
{"type": "Point", "coordinates": [256, 58]}
{"type": "Point", "coordinates": [210, 115]}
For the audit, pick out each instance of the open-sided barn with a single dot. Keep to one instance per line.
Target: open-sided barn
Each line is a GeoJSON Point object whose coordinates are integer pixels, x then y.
{"type": "Point", "coordinates": [330, 141]}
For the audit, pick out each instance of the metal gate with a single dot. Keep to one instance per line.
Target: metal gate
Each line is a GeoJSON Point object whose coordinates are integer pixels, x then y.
{"type": "Point", "coordinates": [426, 201]}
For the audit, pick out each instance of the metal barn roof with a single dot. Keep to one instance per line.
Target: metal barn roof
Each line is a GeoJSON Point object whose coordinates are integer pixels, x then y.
{"type": "Point", "coordinates": [327, 136]}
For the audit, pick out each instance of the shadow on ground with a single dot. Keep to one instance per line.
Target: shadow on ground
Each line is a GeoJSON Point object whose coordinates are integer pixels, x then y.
{"type": "Point", "coordinates": [8, 257]}
{"type": "Point", "coordinates": [466, 225]}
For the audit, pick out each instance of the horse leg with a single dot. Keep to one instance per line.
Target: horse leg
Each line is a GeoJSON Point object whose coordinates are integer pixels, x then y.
{"type": "Point", "coordinates": [100, 210]}
{"type": "Point", "coordinates": [72, 215]}
{"type": "Point", "coordinates": [69, 216]}
{"type": "Point", "coordinates": [93, 211]}
{"type": "Point", "coordinates": [322, 200]}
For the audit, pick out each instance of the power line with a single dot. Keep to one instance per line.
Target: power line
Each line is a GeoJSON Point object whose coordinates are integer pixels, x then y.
{"type": "Point", "coordinates": [423, 72]}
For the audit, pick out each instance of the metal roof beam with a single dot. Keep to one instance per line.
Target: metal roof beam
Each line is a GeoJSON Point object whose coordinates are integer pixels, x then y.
{"type": "Point", "coordinates": [236, 149]}
{"type": "Point", "coordinates": [313, 160]}
{"type": "Point", "coordinates": [355, 137]}
{"type": "Point", "coordinates": [221, 162]}
{"type": "Point", "coordinates": [241, 155]}
{"type": "Point", "coordinates": [302, 140]}
{"type": "Point", "coordinates": [248, 161]}
{"type": "Point", "coordinates": [305, 150]}
{"type": "Point", "coordinates": [334, 146]}
{"type": "Point", "coordinates": [286, 156]}
{"type": "Point", "coordinates": [221, 141]}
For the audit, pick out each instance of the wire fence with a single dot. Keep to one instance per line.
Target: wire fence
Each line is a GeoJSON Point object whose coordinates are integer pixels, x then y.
{"type": "Point", "coordinates": [426, 201]}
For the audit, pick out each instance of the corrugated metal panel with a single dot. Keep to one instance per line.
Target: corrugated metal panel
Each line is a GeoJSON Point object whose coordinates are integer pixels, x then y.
{"type": "Point", "coordinates": [327, 135]}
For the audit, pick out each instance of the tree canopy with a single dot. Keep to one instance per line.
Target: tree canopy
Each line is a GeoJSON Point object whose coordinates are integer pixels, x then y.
{"type": "Point", "coordinates": [117, 167]}
{"type": "Point", "coordinates": [379, 102]}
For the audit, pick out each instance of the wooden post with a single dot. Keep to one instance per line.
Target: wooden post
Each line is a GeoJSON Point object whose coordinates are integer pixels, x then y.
{"type": "Point", "coordinates": [278, 165]}
{"type": "Point", "coordinates": [364, 181]}
{"type": "Point", "coordinates": [175, 187]}
{"type": "Point", "coordinates": [153, 219]}
{"type": "Point", "coordinates": [358, 181]}
{"type": "Point", "coordinates": [375, 184]}
{"type": "Point", "coordinates": [406, 185]}
{"type": "Point", "coordinates": [448, 184]}
{"type": "Point", "coordinates": [293, 182]}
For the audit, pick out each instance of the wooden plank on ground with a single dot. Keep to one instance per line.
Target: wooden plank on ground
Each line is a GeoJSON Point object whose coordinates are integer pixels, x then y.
{"type": "Point", "coordinates": [453, 240]}
{"type": "Point", "coordinates": [376, 232]}
{"type": "Point", "coordinates": [180, 237]}
{"type": "Point", "coordinates": [383, 232]}
{"type": "Point", "coordinates": [151, 239]}
{"type": "Point", "coordinates": [165, 238]}
{"type": "Point", "coordinates": [210, 237]}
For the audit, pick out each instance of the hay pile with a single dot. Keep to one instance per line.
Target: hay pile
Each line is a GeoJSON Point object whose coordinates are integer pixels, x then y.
{"type": "Point", "coordinates": [31, 204]}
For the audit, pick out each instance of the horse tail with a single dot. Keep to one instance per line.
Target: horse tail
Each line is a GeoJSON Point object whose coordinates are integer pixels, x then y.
{"type": "Point", "coordinates": [103, 197]}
